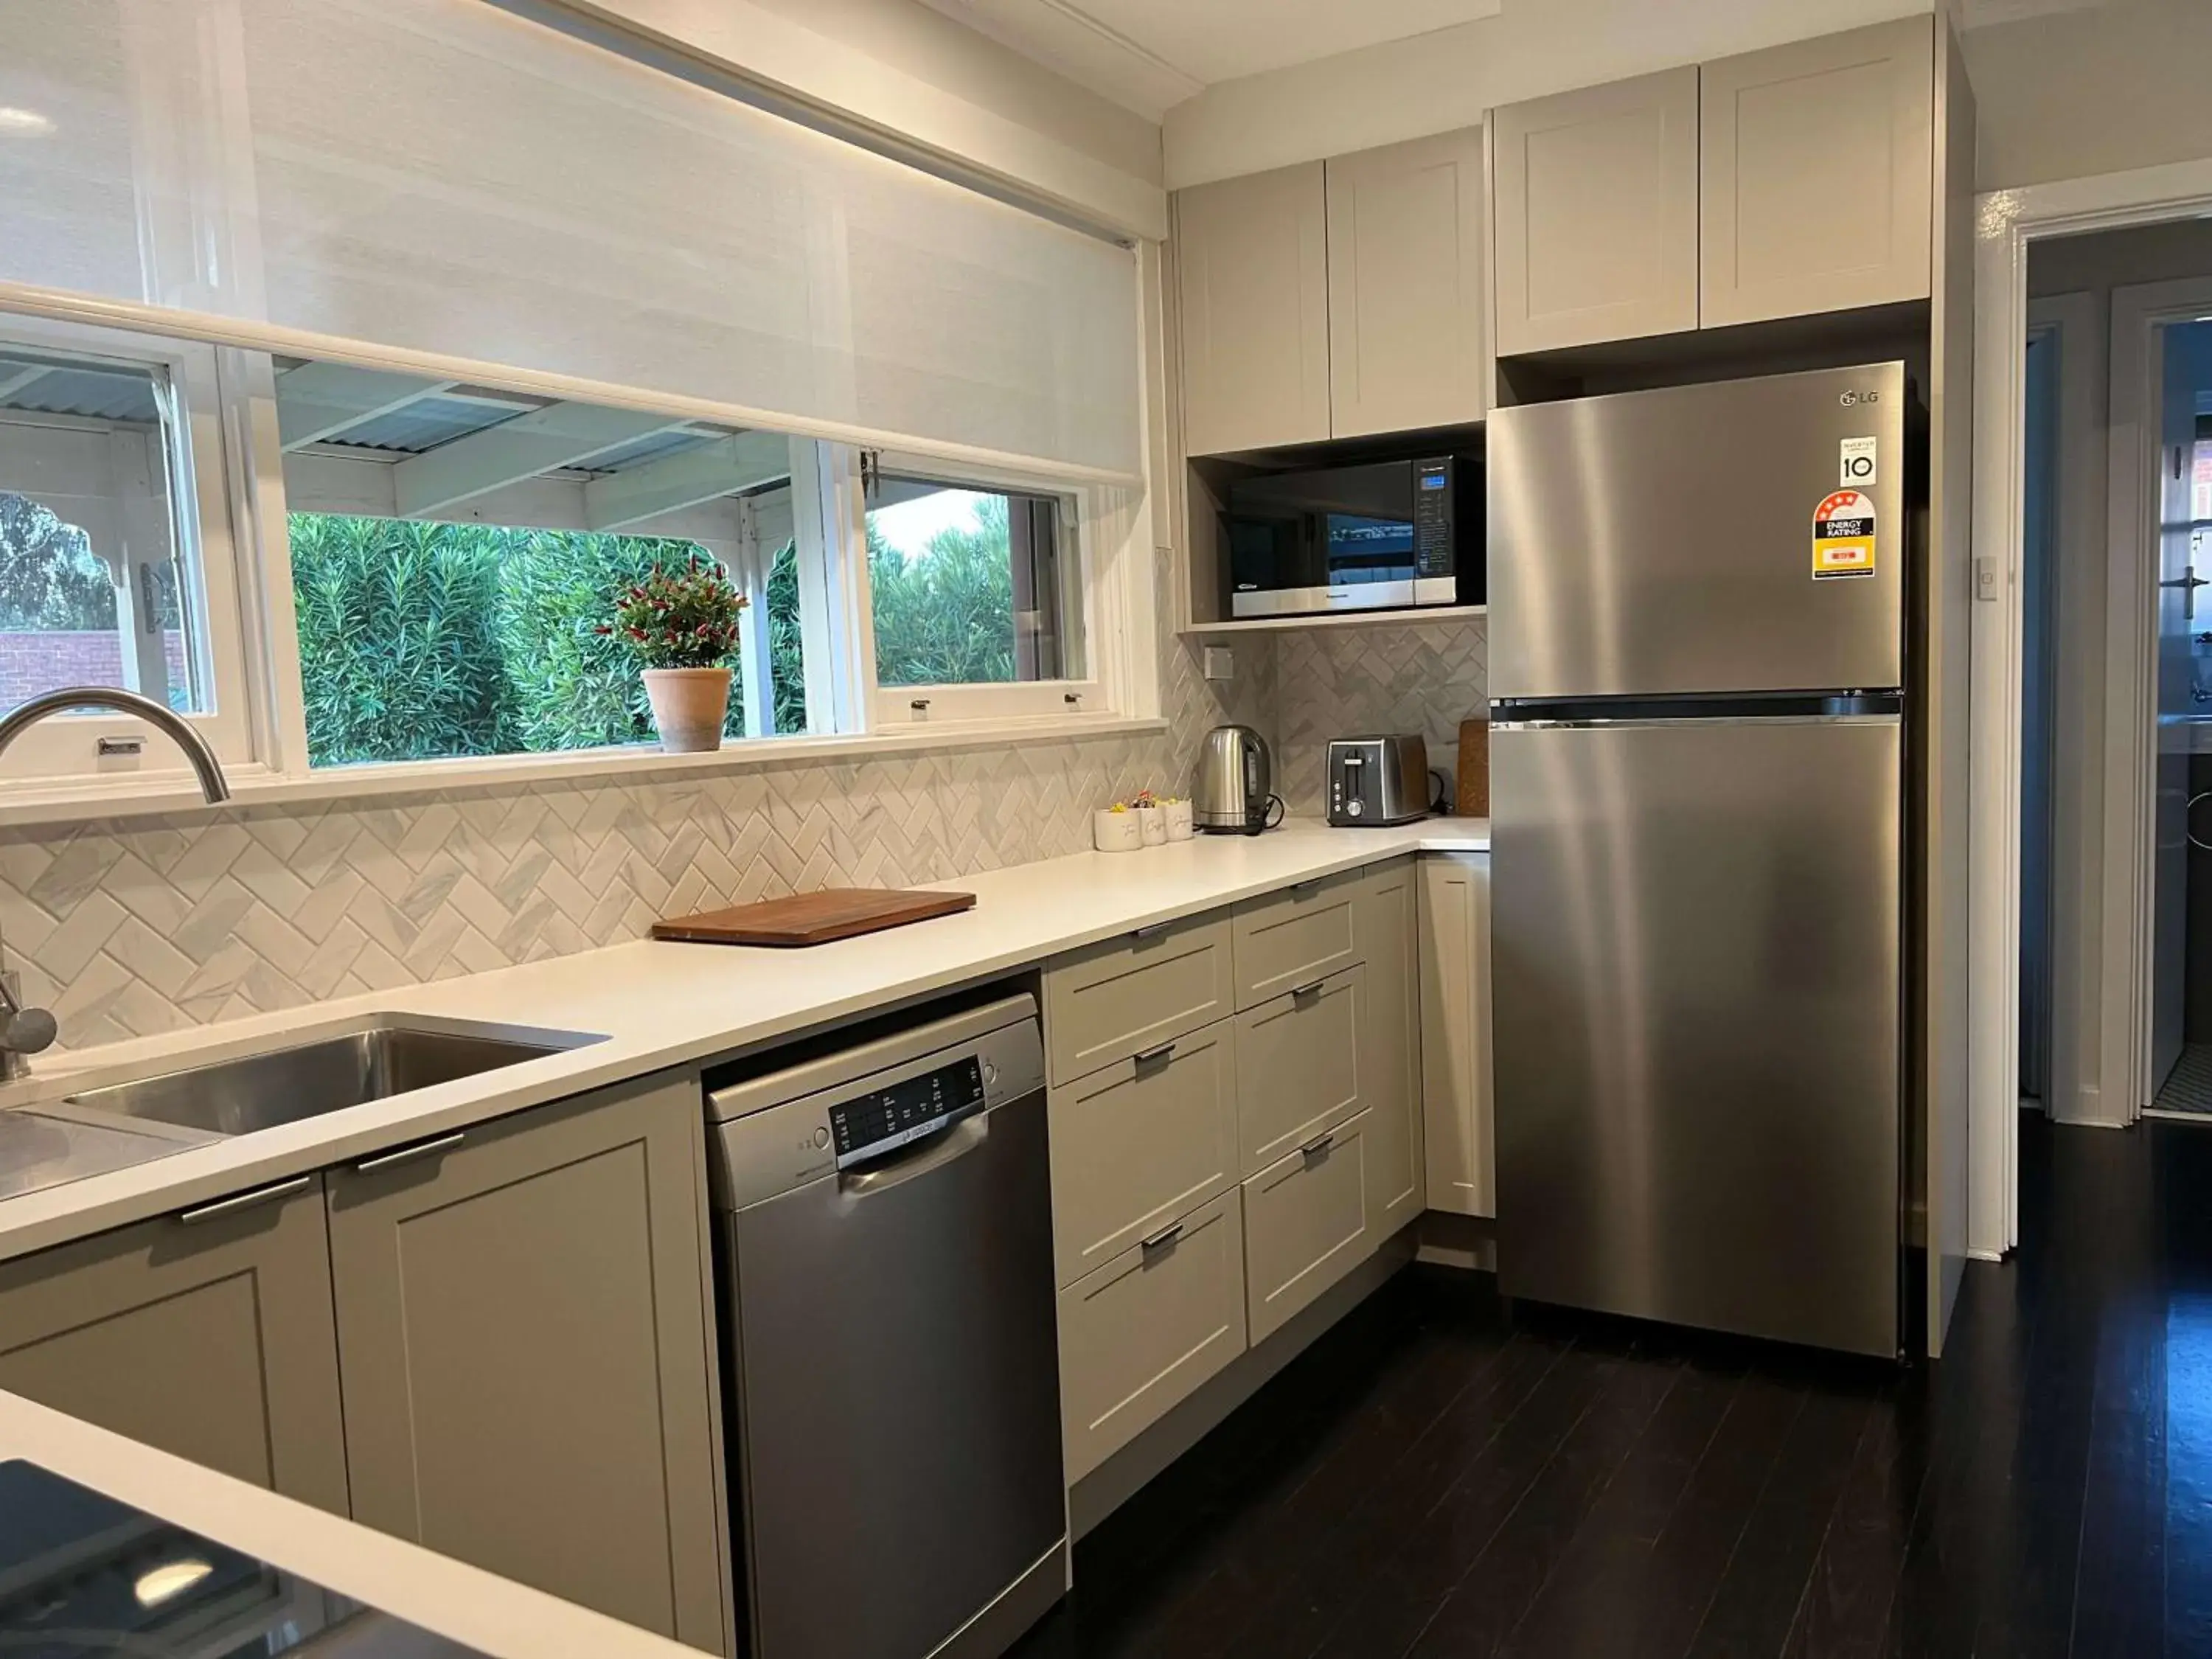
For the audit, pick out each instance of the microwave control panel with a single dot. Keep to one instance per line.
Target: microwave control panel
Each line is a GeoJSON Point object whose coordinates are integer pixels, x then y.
{"type": "Point", "coordinates": [1433, 535]}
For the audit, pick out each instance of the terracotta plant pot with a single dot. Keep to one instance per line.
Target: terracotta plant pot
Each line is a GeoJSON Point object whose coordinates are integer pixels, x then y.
{"type": "Point", "coordinates": [689, 708]}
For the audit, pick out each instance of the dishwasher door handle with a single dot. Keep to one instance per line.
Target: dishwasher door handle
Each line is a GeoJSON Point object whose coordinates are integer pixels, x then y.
{"type": "Point", "coordinates": [920, 1160]}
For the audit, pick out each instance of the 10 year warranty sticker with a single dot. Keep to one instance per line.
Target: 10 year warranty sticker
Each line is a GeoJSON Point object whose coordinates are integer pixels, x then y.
{"type": "Point", "coordinates": [1843, 537]}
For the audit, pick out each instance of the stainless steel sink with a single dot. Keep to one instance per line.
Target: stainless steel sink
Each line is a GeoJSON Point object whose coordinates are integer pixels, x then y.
{"type": "Point", "coordinates": [284, 1086]}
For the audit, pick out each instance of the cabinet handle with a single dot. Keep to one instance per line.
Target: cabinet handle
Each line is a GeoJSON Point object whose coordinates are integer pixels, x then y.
{"type": "Point", "coordinates": [246, 1201]}
{"type": "Point", "coordinates": [1300, 993]}
{"type": "Point", "coordinates": [1314, 1149]}
{"type": "Point", "coordinates": [1162, 1239]}
{"type": "Point", "coordinates": [408, 1154]}
{"type": "Point", "coordinates": [1300, 889]}
{"type": "Point", "coordinates": [1164, 1052]}
{"type": "Point", "coordinates": [1154, 931]}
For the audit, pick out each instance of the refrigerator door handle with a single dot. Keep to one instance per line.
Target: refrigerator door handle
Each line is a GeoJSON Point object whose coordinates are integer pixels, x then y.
{"type": "Point", "coordinates": [1663, 722]}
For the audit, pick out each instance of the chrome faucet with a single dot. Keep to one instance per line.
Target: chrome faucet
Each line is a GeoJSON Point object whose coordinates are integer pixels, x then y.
{"type": "Point", "coordinates": [26, 1031]}
{"type": "Point", "coordinates": [24, 715]}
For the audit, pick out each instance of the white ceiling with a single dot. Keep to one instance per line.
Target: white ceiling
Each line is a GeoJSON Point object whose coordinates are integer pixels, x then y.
{"type": "Point", "coordinates": [1150, 55]}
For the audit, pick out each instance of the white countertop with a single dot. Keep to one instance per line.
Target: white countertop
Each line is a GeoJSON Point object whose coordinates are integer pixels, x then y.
{"type": "Point", "coordinates": [462, 1603]}
{"type": "Point", "coordinates": [661, 1005]}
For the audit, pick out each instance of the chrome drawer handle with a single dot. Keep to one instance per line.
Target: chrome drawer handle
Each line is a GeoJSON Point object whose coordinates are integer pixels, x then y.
{"type": "Point", "coordinates": [1314, 1149]}
{"type": "Point", "coordinates": [1160, 1239]}
{"type": "Point", "coordinates": [1300, 889]}
{"type": "Point", "coordinates": [409, 1154]}
{"type": "Point", "coordinates": [1157, 930]}
{"type": "Point", "coordinates": [246, 1201]}
{"type": "Point", "coordinates": [1300, 993]}
{"type": "Point", "coordinates": [1151, 1056]}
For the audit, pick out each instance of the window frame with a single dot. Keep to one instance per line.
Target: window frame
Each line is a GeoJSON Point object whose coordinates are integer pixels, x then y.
{"type": "Point", "coordinates": [1073, 699]}
{"type": "Point", "coordinates": [237, 470]}
{"type": "Point", "coordinates": [214, 525]}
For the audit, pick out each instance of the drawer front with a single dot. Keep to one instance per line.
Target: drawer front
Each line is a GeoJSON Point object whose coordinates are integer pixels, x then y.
{"type": "Point", "coordinates": [1297, 1067]}
{"type": "Point", "coordinates": [1140, 1143]}
{"type": "Point", "coordinates": [1140, 1335]}
{"type": "Point", "coordinates": [1127, 995]}
{"type": "Point", "coordinates": [1305, 1227]}
{"type": "Point", "coordinates": [1294, 938]}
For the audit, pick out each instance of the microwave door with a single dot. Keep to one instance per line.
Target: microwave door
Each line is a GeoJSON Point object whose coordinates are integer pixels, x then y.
{"type": "Point", "coordinates": [1370, 561]}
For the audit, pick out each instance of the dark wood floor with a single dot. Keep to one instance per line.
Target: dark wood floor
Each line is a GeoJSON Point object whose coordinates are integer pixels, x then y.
{"type": "Point", "coordinates": [1434, 1478]}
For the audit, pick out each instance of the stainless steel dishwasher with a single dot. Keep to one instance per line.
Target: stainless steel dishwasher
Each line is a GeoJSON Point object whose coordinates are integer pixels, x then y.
{"type": "Point", "coordinates": [884, 1251]}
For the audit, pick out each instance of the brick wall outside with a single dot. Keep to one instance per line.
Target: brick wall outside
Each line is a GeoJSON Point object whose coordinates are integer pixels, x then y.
{"type": "Point", "coordinates": [33, 662]}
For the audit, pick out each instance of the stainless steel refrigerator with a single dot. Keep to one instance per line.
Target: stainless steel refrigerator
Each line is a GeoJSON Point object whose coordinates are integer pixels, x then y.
{"type": "Point", "coordinates": [1698, 674]}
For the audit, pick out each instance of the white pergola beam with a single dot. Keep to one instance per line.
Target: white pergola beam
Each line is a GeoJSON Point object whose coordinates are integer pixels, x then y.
{"type": "Point", "coordinates": [728, 467]}
{"type": "Point", "coordinates": [316, 401]}
{"type": "Point", "coordinates": [560, 434]}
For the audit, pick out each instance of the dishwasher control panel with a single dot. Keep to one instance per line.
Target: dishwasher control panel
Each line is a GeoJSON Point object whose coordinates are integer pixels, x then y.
{"type": "Point", "coordinates": [885, 1120]}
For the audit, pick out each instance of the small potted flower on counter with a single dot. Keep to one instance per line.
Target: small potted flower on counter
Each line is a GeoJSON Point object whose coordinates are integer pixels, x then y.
{"type": "Point", "coordinates": [1152, 818]}
{"type": "Point", "coordinates": [1115, 829]}
{"type": "Point", "coordinates": [683, 624]}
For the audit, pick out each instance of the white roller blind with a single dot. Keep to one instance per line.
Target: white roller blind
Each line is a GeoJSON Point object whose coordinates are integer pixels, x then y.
{"type": "Point", "coordinates": [443, 177]}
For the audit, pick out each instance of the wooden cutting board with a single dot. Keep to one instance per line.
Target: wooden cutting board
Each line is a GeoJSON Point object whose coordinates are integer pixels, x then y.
{"type": "Point", "coordinates": [1472, 798]}
{"type": "Point", "coordinates": [813, 918]}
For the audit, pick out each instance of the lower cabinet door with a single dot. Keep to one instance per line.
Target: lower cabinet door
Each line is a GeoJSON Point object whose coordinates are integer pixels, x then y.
{"type": "Point", "coordinates": [1138, 1336]}
{"type": "Point", "coordinates": [1388, 916]}
{"type": "Point", "coordinates": [1457, 1131]}
{"type": "Point", "coordinates": [1298, 1066]}
{"type": "Point", "coordinates": [1306, 1225]}
{"type": "Point", "coordinates": [207, 1334]}
{"type": "Point", "coordinates": [525, 1341]}
{"type": "Point", "coordinates": [1140, 1143]}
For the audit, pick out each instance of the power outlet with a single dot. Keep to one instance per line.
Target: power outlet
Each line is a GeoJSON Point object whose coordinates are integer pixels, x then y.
{"type": "Point", "coordinates": [1220, 663]}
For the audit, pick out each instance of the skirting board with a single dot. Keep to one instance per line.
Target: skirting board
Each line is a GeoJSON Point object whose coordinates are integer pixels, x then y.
{"type": "Point", "coordinates": [1451, 1240]}
{"type": "Point", "coordinates": [1114, 1482]}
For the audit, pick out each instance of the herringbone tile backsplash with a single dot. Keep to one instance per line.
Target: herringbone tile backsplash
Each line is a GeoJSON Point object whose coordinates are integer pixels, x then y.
{"type": "Point", "coordinates": [136, 927]}
{"type": "Point", "coordinates": [1341, 682]}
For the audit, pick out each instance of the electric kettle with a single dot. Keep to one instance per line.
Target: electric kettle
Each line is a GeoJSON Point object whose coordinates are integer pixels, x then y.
{"type": "Point", "coordinates": [1230, 794]}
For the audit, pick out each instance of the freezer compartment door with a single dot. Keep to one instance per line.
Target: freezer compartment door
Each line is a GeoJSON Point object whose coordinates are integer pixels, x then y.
{"type": "Point", "coordinates": [1658, 543]}
{"type": "Point", "coordinates": [1696, 934]}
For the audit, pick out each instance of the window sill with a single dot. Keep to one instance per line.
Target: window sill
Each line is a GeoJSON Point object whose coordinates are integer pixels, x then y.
{"type": "Point", "coordinates": [160, 794]}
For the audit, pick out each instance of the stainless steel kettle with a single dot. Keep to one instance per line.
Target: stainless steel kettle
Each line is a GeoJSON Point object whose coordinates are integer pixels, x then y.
{"type": "Point", "coordinates": [1230, 794]}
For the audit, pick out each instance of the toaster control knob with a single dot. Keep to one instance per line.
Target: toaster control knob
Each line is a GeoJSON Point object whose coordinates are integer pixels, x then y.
{"type": "Point", "coordinates": [1353, 809]}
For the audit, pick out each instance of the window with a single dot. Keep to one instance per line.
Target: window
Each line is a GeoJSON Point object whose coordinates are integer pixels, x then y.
{"type": "Point", "coordinates": [111, 504]}
{"type": "Point", "coordinates": [972, 588]}
{"type": "Point", "coordinates": [455, 550]}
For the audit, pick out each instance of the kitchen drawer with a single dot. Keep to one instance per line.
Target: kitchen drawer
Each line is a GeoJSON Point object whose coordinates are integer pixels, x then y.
{"type": "Point", "coordinates": [1127, 996]}
{"type": "Point", "coordinates": [1306, 1225]}
{"type": "Point", "coordinates": [1142, 1333]}
{"type": "Point", "coordinates": [1294, 937]}
{"type": "Point", "coordinates": [1139, 1143]}
{"type": "Point", "coordinates": [1297, 1067]}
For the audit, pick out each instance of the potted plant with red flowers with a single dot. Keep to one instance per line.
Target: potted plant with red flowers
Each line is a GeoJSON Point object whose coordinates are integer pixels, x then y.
{"type": "Point", "coordinates": [683, 624]}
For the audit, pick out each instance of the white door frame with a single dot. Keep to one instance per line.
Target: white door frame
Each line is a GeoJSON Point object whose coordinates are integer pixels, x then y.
{"type": "Point", "coordinates": [2006, 223]}
{"type": "Point", "coordinates": [2139, 316]}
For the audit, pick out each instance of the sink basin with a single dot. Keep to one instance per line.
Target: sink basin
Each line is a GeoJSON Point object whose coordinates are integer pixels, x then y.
{"type": "Point", "coordinates": [284, 1086]}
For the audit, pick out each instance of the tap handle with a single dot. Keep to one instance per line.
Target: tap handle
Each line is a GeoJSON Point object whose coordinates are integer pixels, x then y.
{"type": "Point", "coordinates": [29, 1031]}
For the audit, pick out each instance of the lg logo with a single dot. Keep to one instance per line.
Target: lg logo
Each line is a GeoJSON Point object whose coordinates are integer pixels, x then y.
{"type": "Point", "coordinates": [1853, 399]}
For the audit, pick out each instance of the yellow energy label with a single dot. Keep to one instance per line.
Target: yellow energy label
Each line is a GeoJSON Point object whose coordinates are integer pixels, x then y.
{"type": "Point", "coordinates": [1843, 537]}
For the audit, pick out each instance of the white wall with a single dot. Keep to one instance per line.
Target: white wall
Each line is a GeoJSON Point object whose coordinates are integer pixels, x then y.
{"type": "Point", "coordinates": [1439, 82]}
{"type": "Point", "coordinates": [904, 69]}
{"type": "Point", "coordinates": [2102, 88]}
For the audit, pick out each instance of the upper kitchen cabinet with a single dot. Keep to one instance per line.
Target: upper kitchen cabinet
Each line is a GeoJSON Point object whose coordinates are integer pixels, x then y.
{"type": "Point", "coordinates": [1252, 262]}
{"type": "Point", "coordinates": [1818, 170]}
{"type": "Point", "coordinates": [1405, 287]}
{"type": "Point", "coordinates": [1595, 204]}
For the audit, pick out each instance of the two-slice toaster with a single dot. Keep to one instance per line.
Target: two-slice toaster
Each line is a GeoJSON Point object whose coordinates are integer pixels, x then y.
{"type": "Point", "coordinates": [1381, 780]}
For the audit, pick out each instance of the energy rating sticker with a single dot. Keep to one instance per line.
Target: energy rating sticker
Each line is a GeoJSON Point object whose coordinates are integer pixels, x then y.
{"type": "Point", "coordinates": [1843, 537]}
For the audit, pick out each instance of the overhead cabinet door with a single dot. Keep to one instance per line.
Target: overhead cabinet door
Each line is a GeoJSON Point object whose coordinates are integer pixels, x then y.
{"type": "Point", "coordinates": [1253, 260]}
{"type": "Point", "coordinates": [1596, 194]}
{"type": "Point", "coordinates": [1818, 170]}
{"type": "Point", "coordinates": [1404, 286]}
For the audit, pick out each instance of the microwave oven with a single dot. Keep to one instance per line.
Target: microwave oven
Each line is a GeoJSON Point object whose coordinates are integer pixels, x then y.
{"type": "Point", "coordinates": [1385, 535]}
